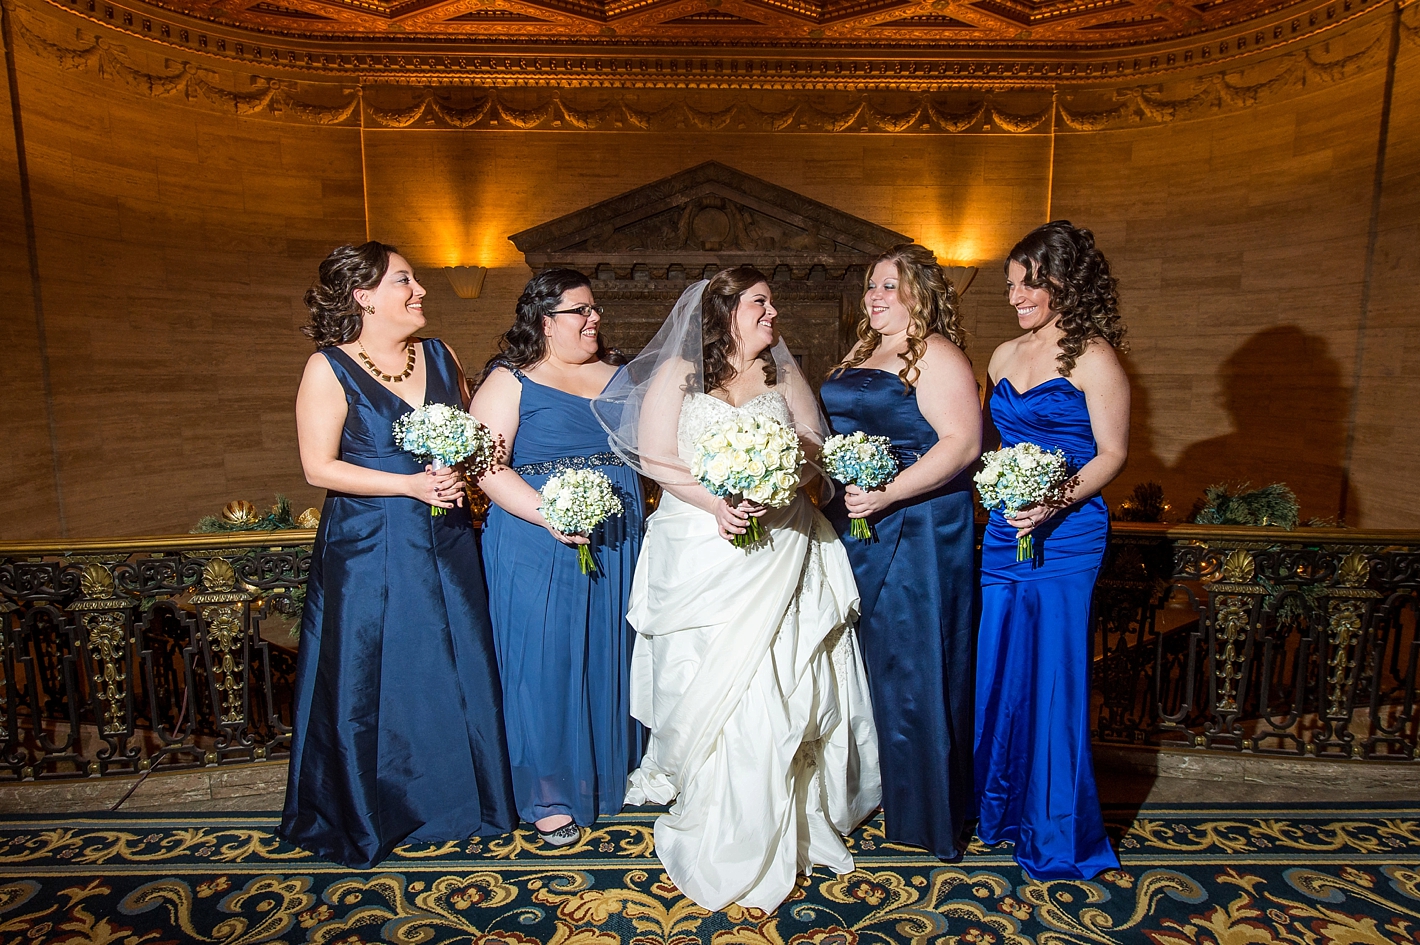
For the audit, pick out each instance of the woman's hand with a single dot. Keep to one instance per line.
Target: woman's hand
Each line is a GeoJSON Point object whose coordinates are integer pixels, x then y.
{"type": "Point", "coordinates": [732, 520]}
{"type": "Point", "coordinates": [1030, 518]}
{"type": "Point", "coordinates": [862, 503]}
{"type": "Point", "coordinates": [442, 488]}
{"type": "Point", "coordinates": [570, 541]}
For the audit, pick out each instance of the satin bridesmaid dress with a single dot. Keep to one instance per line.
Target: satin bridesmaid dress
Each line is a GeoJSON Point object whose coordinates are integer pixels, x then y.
{"type": "Point", "coordinates": [1034, 773]}
{"type": "Point", "coordinates": [398, 731]}
{"type": "Point", "coordinates": [917, 626]}
{"type": "Point", "coordinates": [564, 646]}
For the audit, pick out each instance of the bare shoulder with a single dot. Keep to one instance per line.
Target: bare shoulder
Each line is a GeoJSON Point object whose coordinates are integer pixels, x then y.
{"type": "Point", "coordinates": [1000, 358]}
{"type": "Point", "coordinates": [1098, 363]}
{"type": "Point", "coordinates": [500, 380]}
{"type": "Point", "coordinates": [941, 355]}
{"type": "Point", "coordinates": [318, 370]}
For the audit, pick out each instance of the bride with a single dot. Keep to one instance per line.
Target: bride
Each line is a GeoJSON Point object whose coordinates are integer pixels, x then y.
{"type": "Point", "coordinates": [746, 667]}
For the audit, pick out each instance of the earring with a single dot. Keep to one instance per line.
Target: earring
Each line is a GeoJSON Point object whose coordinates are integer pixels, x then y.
{"type": "Point", "coordinates": [369, 310]}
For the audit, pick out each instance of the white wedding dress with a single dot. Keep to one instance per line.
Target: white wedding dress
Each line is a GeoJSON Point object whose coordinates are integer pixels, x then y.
{"type": "Point", "coordinates": [747, 671]}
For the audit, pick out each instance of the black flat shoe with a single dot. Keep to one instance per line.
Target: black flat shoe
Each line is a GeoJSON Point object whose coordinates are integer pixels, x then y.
{"type": "Point", "coordinates": [566, 835]}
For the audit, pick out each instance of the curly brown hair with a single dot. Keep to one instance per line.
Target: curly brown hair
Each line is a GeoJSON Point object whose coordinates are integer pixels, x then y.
{"type": "Point", "coordinates": [1062, 259]}
{"type": "Point", "coordinates": [524, 344]}
{"type": "Point", "coordinates": [718, 304]}
{"type": "Point", "coordinates": [336, 318]}
{"type": "Point", "coordinates": [932, 303]}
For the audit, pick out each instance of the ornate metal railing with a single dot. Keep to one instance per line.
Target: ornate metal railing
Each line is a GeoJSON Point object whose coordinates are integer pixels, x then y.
{"type": "Point", "coordinates": [119, 655]}
{"type": "Point", "coordinates": [1258, 640]}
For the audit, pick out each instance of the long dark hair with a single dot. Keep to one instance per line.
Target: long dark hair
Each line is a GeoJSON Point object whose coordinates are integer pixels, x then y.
{"type": "Point", "coordinates": [336, 318]}
{"type": "Point", "coordinates": [932, 305]}
{"type": "Point", "coordinates": [1062, 259]}
{"type": "Point", "coordinates": [718, 304]}
{"type": "Point", "coordinates": [525, 344]}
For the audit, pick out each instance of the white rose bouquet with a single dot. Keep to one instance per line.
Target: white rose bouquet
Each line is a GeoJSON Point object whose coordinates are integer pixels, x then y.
{"type": "Point", "coordinates": [856, 459]}
{"type": "Point", "coordinates": [575, 503]}
{"type": "Point", "coordinates": [1021, 475]}
{"type": "Point", "coordinates": [445, 436]}
{"type": "Point", "coordinates": [754, 457]}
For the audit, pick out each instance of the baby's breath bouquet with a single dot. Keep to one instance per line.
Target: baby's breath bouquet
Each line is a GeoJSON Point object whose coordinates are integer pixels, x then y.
{"type": "Point", "coordinates": [856, 459]}
{"type": "Point", "coordinates": [1015, 477]}
{"type": "Point", "coordinates": [576, 502]}
{"type": "Point", "coordinates": [445, 436]}
{"type": "Point", "coordinates": [751, 456]}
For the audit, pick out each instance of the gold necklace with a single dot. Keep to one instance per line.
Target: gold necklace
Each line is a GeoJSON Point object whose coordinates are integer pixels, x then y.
{"type": "Point", "coordinates": [388, 378]}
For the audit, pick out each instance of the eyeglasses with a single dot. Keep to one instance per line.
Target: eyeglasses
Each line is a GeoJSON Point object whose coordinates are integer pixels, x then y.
{"type": "Point", "coordinates": [581, 311]}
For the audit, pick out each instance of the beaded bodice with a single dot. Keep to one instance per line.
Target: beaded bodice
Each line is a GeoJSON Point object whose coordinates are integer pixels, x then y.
{"type": "Point", "coordinates": [699, 411]}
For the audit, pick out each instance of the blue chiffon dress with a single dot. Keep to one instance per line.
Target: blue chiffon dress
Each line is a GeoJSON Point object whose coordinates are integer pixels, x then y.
{"type": "Point", "coordinates": [917, 585]}
{"type": "Point", "coordinates": [564, 645]}
{"type": "Point", "coordinates": [1034, 774]}
{"type": "Point", "coordinates": [398, 729]}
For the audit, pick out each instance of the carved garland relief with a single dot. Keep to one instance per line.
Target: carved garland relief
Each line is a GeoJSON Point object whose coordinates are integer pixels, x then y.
{"type": "Point", "coordinates": [978, 101]}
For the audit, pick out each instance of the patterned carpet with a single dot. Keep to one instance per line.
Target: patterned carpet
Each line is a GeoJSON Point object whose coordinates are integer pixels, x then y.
{"type": "Point", "coordinates": [1196, 875]}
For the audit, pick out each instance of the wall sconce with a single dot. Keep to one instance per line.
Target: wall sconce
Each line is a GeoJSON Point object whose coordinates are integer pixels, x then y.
{"type": "Point", "coordinates": [961, 277]}
{"type": "Point", "coordinates": [466, 280]}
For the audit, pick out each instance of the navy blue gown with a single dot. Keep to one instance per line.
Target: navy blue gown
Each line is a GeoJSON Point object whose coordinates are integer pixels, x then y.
{"type": "Point", "coordinates": [1034, 773]}
{"type": "Point", "coordinates": [398, 731]}
{"type": "Point", "coordinates": [917, 583]}
{"type": "Point", "coordinates": [564, 645]}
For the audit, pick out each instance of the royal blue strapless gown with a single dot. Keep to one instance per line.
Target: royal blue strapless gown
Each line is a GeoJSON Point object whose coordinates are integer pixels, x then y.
{"type": "Point", "coordinates": [564, 646]}
{"type": "Point", "coordinates": [1034, 775]}
{"type": "Point", "coordinates": [398, 732]}
{"type": "Point", "coordinates": [918, 588]}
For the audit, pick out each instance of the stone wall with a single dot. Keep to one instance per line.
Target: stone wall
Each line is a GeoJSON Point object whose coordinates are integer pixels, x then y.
{"type": "Point", "coordinates": [174, 241]}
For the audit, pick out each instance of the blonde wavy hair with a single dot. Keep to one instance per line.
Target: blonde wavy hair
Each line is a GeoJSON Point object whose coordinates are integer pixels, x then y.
{"type": "Point", "coordinates": [932, 303]}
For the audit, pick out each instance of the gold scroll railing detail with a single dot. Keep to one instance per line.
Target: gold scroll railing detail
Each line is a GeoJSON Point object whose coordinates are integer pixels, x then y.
{"type": "Point", "coordinates": [119, 654]}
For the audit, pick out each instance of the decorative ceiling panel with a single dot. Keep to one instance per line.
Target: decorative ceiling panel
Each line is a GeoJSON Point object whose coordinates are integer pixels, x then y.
{"type": "Point", "coordinates": [845, 49]}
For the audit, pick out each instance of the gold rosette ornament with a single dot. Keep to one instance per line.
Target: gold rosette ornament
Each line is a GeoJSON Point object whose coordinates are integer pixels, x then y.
{"type": "Point", "coordinates": [239, 512]}
{"type": "Point", "coordinates": [310, 518]}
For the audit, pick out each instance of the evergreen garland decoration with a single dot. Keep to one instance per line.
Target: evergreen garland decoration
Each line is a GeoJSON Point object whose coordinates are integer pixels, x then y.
{"type": "Point", "coordinates": [1274, 505]}
{"type": "Point", "coordinates": [240, 516]}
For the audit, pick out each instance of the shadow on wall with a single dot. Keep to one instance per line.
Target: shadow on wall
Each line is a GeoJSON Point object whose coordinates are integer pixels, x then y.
{"type": "Point", "coordinates": [1289, 406]}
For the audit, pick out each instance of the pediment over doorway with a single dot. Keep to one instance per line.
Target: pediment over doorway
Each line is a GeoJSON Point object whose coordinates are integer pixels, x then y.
{"type": "Point", "coordinates": [644, 247]}
{"type": "Point", "coordinates": [710, 214]}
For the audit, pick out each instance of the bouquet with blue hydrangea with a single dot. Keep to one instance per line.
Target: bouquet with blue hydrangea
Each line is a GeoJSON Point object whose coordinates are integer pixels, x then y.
{"type": "Point", "coordinates": [754, 457]}
{"type": "Point", "coordinates": [575, 503]}
{"type": "Point", "coordinates": [445, 436]}
{"type": "Point", "coordinates": [856, 459]}
{"type": "Point", "coordinates": [1015, 477]}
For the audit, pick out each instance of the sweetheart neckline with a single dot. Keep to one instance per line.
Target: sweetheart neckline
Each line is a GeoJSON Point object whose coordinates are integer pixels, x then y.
{"type": "Point", "coordinates": [1021, 393]}
{"type": "Point", "coordinates": [768, 393]}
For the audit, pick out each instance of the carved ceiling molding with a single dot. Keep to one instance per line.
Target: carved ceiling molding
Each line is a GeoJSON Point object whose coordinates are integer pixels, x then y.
{"type": "Point", "coordinates": [693, 26]}
{"type": "Point", "coordinates": [393, 55]}
{"type": "Point", "coordinates": [363, 101]}
{"type": "Point", "coordinates": [675, 111]}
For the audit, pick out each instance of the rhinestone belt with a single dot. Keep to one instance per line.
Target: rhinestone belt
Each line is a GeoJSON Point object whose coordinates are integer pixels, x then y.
{"type": "Point", "coordinates": [565, 463]}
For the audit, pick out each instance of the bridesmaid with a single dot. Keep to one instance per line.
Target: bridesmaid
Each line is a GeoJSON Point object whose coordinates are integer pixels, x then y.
{"type": "Point", "coordinates": [564, 646]}
{"type": "Point", "coordinates": [398, 729]}
{"type": "Point", "coordinates": [908, 379]}
{"type": "Point", "coordinates": [1059, 385]}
